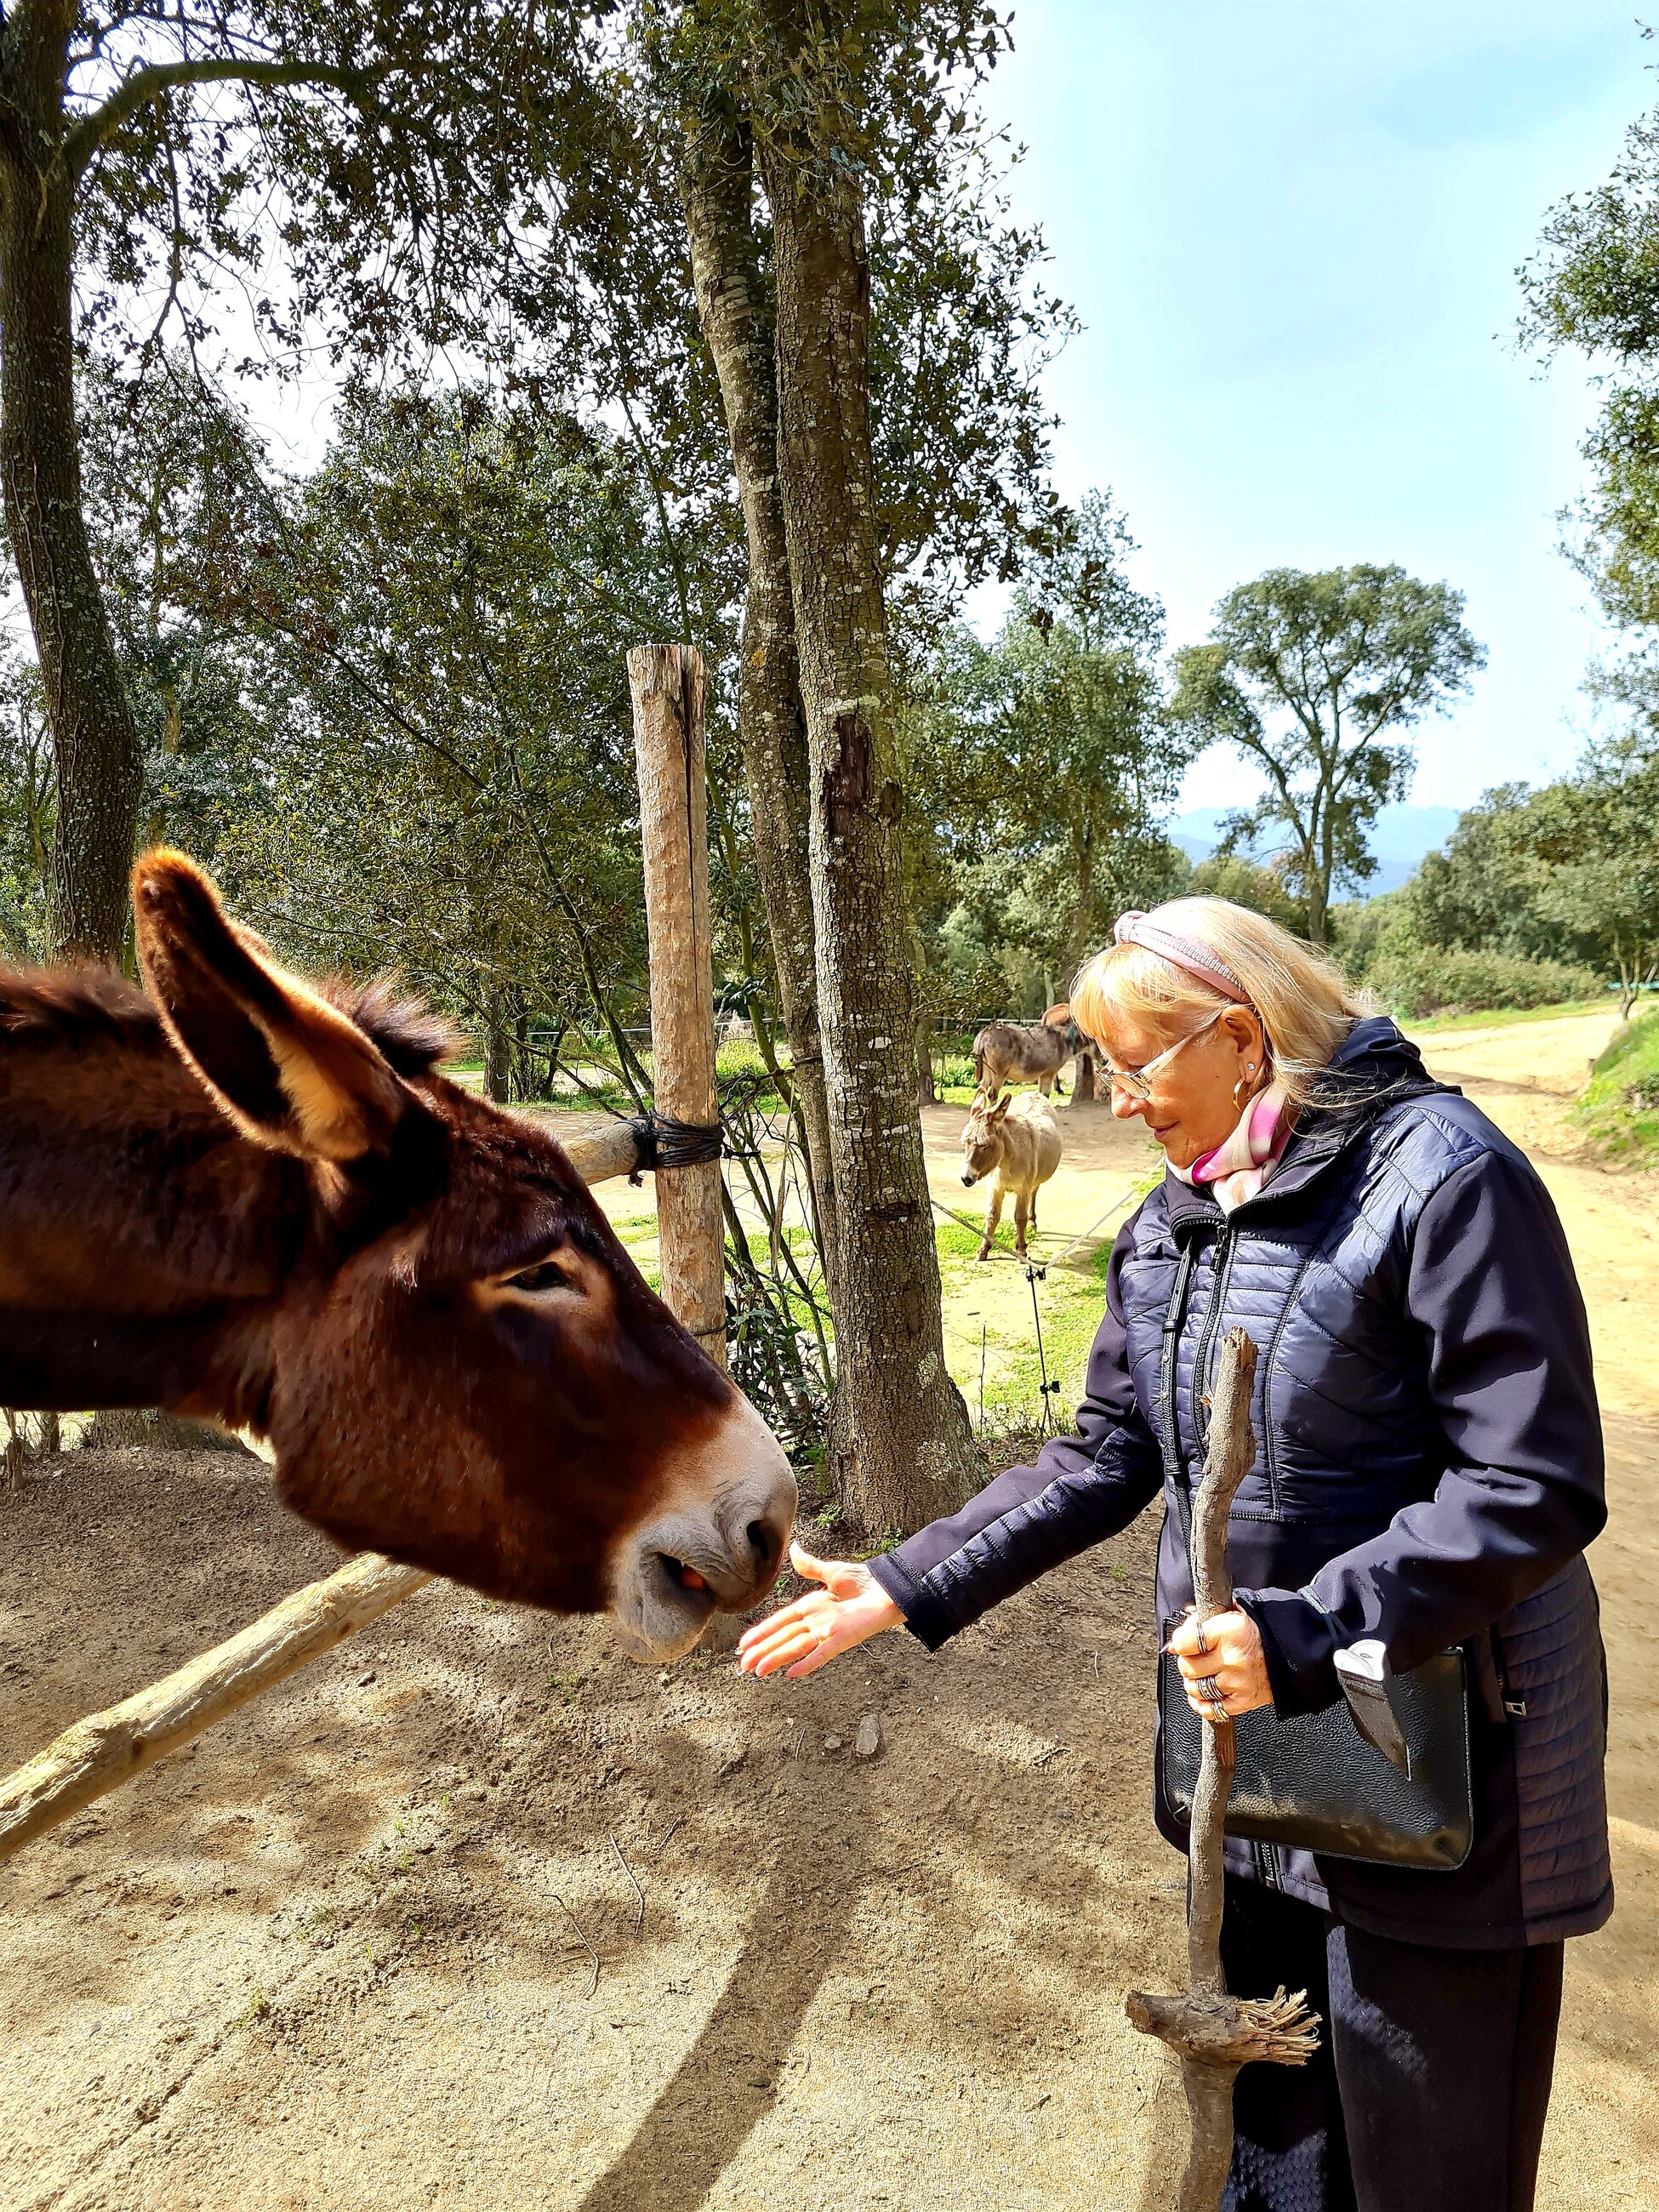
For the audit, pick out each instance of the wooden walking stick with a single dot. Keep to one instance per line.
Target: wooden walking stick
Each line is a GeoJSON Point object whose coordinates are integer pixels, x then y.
{"type": "Point", "coordinates": [1213, 2033]}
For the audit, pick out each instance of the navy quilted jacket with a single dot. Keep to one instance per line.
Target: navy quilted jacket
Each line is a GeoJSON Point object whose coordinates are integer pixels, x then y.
{"type": "Point", "coordinates": [1429, 1471]}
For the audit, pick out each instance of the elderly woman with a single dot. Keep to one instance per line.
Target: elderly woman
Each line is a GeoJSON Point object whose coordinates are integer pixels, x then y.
{"type": "Point", "coordinates": [1429, 1471]}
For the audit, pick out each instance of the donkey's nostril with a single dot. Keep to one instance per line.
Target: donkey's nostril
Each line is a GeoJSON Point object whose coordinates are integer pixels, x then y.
{"type": "Point", "coordinates": [755, 1521]}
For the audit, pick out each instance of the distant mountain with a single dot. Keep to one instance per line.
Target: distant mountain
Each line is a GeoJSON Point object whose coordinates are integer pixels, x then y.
{"type": "Point", "coordinates": [1401, 838]}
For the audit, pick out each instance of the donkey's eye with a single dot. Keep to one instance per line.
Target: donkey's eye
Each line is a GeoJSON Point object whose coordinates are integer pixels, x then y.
{"type": "Point", "coordinates": [545, 1275]}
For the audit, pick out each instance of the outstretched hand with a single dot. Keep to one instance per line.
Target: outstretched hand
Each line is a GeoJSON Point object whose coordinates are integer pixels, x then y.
{"type": "Point", "coordinates": [808, 1632]}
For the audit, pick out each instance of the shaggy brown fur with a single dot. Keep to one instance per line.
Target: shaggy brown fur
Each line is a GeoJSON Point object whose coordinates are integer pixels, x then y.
{"type": "Point", "coordinates": [1014, 1052]}
{"type": "Point", "coordinates": [257, 1201]}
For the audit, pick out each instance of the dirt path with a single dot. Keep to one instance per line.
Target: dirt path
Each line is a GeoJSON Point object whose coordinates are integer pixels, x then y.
{"type": "Point", "coordinates": [1604, 2122]}
{"type": "Point", "coordinates": [336, 1954]}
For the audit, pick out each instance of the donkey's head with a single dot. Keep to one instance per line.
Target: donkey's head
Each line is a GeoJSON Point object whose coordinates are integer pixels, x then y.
{"type": "Point", "coordinates": [981, 1139]}
{"type": "Point", "coordinates": [457, 1363]}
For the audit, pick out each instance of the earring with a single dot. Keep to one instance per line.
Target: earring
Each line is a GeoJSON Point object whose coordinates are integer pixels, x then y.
{"type": "Point", "coordinates": [1241, 1088]}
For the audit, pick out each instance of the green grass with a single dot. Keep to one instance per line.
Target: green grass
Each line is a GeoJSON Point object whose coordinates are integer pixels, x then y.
{"type": "Point", "coordinates": [1620, 1110]}
{"type": "Point", "coordinates": [1069, 1299]}
{"type": "Point", "coordinates": [1503, 1017]}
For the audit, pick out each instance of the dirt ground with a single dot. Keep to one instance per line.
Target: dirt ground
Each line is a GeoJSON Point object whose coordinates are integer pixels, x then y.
{"type": "Point", "coordinates": [345, 1949]}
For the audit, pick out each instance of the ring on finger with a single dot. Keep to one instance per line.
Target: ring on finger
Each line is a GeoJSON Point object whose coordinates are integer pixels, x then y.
{"type": "Point", "coordinates": [1213, 1692]}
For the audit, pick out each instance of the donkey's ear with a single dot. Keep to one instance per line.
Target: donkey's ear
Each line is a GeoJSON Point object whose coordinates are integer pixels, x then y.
{"type": "Point", "coordinates": [999, 1112]}
{"type": "Point", "coordinates": [293, 1072]}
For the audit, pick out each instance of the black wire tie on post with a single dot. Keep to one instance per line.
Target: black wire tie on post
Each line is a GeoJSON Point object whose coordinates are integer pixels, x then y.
{"type": "Point", "coordinates": [659, 1141]}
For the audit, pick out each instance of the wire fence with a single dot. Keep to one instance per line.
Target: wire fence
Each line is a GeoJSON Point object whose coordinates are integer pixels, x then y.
{"type": "Point", "coordinates": [780, 1328]}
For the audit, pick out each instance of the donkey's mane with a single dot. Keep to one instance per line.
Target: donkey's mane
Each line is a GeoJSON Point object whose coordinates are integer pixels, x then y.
{"type": "Point", "coordinates": [413, 1039]}
{"type": "Point", "coordinates": [84, 1005]}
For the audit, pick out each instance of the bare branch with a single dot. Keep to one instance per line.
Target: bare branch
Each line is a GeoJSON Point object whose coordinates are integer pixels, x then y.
{"type": "Point", "coordinates": [157, 79]}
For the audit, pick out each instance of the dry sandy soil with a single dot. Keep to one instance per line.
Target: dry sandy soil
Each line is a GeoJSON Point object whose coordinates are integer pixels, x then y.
{"type": "Point", "coordinates": [343, 1951]}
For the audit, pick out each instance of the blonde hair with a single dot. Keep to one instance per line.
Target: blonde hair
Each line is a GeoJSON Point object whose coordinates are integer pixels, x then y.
{"type": "Point", "coordinates": [1306, 1003]}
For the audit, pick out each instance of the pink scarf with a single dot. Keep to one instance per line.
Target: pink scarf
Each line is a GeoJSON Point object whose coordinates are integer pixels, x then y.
{"type": "Point", "coordinates": [1238, 1165]}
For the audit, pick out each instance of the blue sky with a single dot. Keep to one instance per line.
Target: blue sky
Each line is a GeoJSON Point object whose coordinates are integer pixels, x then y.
{"type": "Point", "coordinates": [1291, 228]}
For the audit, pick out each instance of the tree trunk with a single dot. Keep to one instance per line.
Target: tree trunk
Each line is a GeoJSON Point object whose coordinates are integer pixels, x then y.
{"type": "Point", "coordinates": [1083, 878]}
{"type": "Point", "coordinates": [717, 188]}
{"type": "Point", "coordinates": [900, 1442]}
{"type": "Point", "coordinates": [1318, 882]}
{"type": "Point", "coordinates": [497, 1046]}
{"type": "Point", "coordinates": [99, 764]}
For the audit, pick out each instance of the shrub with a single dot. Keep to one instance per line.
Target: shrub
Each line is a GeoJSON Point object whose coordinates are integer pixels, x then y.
{"type": "Point", "coordinates": [1620, 1110]}
{"type": "Point", "coordinates": [1426, 979]}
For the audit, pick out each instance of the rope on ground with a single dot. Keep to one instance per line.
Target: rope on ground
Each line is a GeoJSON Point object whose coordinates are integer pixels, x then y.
{"type": "Point", "coordinates": [1060, 1257]}
{"type": "Point", "coordinates": [1123, 1199]}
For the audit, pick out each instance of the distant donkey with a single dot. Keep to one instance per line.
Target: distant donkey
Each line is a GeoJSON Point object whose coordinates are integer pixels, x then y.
{"type": "Point", "coordinates": [1017, 1145]}
{"type": "Point", "coordinates": [1015, 1051]}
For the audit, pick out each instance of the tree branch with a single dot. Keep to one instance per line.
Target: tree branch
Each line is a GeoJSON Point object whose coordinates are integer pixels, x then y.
{"type": "Point", "coordinates": [141, 86]}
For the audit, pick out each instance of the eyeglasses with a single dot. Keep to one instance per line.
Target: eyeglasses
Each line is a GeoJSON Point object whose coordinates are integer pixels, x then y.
{"type": "Point", "coordinates": [1138, 1081]}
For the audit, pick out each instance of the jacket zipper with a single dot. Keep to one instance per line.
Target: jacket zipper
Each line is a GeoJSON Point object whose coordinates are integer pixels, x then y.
{"type": "Point", "coordinates": [1221, 1267]}
{"type": "Point", "coordinates": [1515, 1708]}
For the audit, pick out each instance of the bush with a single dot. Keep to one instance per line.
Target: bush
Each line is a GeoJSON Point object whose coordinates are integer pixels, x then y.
{"type": "Point", "coordinates": [1226, 875]}
{"type": "Point", "coordinates": [1620, 1110]}
{"type": "Point", "coordinates": [1362, 931]}
{"type": "Point", "coordinates": [1425, 979]}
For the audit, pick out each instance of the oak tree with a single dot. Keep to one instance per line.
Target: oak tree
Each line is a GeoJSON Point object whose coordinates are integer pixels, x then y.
{"type": "Point", "coordinates": [875, 330]}
{"type": "Point", "coordinates": [1314, 679]}
{"type": "Point", "coordinates": [359, 168]}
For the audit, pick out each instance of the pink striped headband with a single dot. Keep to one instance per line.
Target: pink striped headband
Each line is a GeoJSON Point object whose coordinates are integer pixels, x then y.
{"type": "Point", "coordinates": [1138, 927]}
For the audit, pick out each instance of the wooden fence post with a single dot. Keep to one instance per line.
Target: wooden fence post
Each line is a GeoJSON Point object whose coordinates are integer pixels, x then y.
{"type": "Point", "coordinates": [667, 683]}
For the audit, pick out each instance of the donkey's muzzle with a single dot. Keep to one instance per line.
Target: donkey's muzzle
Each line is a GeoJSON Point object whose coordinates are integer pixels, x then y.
{"type": "Point", "coordinates": [692, 1562]}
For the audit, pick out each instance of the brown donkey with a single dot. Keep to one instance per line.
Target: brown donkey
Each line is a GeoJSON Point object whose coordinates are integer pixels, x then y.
{"type": "Point", "coordinates": [257, 1200]}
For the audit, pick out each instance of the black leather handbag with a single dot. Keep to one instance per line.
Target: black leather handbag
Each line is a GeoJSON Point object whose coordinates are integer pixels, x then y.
{"type": "Point", "coordinates": [1312, 1782]}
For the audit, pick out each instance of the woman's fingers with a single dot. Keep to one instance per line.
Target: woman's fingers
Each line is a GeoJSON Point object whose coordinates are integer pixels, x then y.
{"type": "Point", "coordinates": [790, 1626]}
{"type": "Point", "coordinates": [811, 1630]}
{"type": "Point", "coordinates": [1221, 1659]}
{"type": "Point", "coordinates": [1198, 1690]}
{"type": "Point", "coordinates": [785, 1617]}
{"type": "Point", "coordinates": [1192, 1639]}
{"type": "Point", "coordinates": [785, 1642]}
{"type": "Point", "coordinates": [785, 1651]}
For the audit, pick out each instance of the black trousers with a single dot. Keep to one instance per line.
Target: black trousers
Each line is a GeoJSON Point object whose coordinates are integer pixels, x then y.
{"type": "Point", "coordinates": [1432, 2078]}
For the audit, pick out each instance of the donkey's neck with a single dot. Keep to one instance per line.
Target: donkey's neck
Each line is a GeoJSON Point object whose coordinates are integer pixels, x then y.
{"type": "Point", "coordinates": [139, 1229]}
